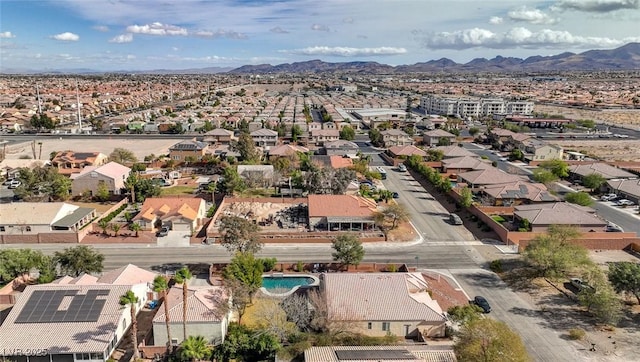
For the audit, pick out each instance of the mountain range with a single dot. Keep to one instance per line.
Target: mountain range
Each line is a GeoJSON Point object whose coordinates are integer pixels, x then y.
{"type": "Point", "coordinates": [626, 57]}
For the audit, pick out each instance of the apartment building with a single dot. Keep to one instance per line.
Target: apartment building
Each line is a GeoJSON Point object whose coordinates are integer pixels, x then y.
{"type": "Point", "coordinates": [473, 107]}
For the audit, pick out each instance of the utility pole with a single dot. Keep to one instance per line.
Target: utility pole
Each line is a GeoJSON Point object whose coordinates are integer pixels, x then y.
{"type": "Point", "coordinates": [39, 102]}
{"type": "Point", "coordinates": [78, 106]}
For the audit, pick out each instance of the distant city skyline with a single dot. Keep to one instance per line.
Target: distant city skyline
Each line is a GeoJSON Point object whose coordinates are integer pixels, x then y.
{"type": "Point", "coordinates": [154, 34]}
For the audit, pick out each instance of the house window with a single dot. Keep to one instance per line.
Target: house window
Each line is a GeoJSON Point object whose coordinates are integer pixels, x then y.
{"type": "Point", "coordinates": [385, 326]}
{"type": "Point", "coordinates": [174, 341]}
{"type": "Point", "coordinates": [369, 325]}
{"type": "Point", "coordinates": [2, 229]}
{"type": "Point", "coordinates": [28, 228]}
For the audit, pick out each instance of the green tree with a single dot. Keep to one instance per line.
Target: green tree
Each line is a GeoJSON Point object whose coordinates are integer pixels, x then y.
{"type": "Point", "coordinates": [247, 148]}
{"type": "Point", "coordinates": [122, 156]}
{"type": "Point", "coordinates": [142, 188]}
{"type": "Point", "coordinates": [135, 227]}
{"type": "Point", "coordinates": [473, 131]}
{"type": "Point", "coordinates": [104, 225]}
{"type": "Point", "coordinates": [485, 339]}
{"type": "Point", "coordinates": [102, 194]}
{"type": "Point", "coordinates": [246, 345]}
{"type": "Point", "coordinates": [466, 197]}
{"type": "Point", "coordinates": [594, 181]}
{"type": "Point", "coordinates": [129, 299]}
{"type": "Point", "coordinates": [557, 167]}
{"type": "Point", "coordinates": [516, 155]}
{"type": "Point", "coordinates": [376, 138]}
{"type": "Point", "coordinates": [239, 235]}
{"type": "Point", "coordinates": [348, 250]}
{"type": "Point", "coordinates": [544, 176]}
{"type": "Point", "coordinates": [43, 181]}
{"type": "Point", "coordinates": [580, 198]}
{"type": "Point", "coordinates": [444, 141]}
{"type": "Point", "coordinates": [599, 297]}
{"type": "Point", "coordinates": [115, 227]}
{"type": "Point", "coordinates": [553, 255]}
{"type": "Point", "coordinates": [625, 277]}
{"type": "Point", "coordinates": [245, 268]}
{"type": "Point", "coordinates": [347, 133]}
{"type": "Point", "coordinates": [80, 259]}
{"type": "Point", "coordinates": [231, 181]}
{"type": "Point", "coordinates": [161, 286]}
{"type": "Point", "coordinates": [463, 314]}
{"type": "Point", "coordinates": [182, 277]}
{"type": "Point", "coordinates": [296, 132]}
{"type": "Point", "coordinates": [19, 262]}
{"type": "Point", "coordinates": [434, 154]}
{"type": "Point", "coordinates": [195, 348]}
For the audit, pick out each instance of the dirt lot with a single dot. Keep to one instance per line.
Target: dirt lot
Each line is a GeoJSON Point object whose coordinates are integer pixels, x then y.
{"type": "Point", "coordinates": [556, 303]}
{"type": "Point", "coordinates": [104, 144]}
{"type": "Point", "coordinates": [627, 117]}
{"type": "Point", "coordinates": [608, 150]}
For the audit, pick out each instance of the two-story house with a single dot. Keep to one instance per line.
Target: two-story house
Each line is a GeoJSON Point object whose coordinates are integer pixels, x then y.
{"type": "Point", "coordinates": [265, 138]}
{"type": "Point", "coordinates": [396, 137]}
{"type": "Point", "coordinates": [112, 175]}
{"type": "Point", "coordinates": [322, 136]}
{"type": "Point", "coordinates": [187, 151]}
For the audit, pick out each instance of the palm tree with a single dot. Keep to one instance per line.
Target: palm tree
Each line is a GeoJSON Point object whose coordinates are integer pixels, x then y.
{"type": "Point", "coordinates": [195, 348]}
{"type": "Point", "coordinates": [182, 277]}
{"type": "Point", "coordinates": [135, 227]}
{"type": "Point", "coordinates": [131, 300]}
{"type": "Point", "coordinates": [161, 285]}
{"type": "Point", "coordinates": [104, 225]}
{"type": "Point", "coordinates": [115, 227]}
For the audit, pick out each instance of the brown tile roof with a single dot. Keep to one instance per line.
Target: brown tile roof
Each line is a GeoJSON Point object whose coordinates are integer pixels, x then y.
{"type": "Point", "coordinates": [340, 162]}
{"type": "Point", "coordinates": [466, 162]}
{"type": "Point", "coordinates": [455, 151]}
{"type": "Point", "coordinates": [521, 190]}
{"type": "Point", "coordinates": [169, 207]}
{"type": "Point", "coordinates": [204, 304]}
{"type": "Point", "coordinates": [560, 213]}
{"type": "Point", "coordinates": [489, 176]}
{"type": "Point", "coordinates": [127, 275]}
{"type": "Point", "coordinates": [380, 297]}
{"type": "Point", "coordinates": [340, 205]}
{"type": "Point", "coordinates": [607, 171]}
{"type": "Point", "coordinates": [406, 151]}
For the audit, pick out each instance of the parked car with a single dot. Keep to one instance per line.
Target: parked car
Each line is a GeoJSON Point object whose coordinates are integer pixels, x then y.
{"type": "Point", "coordinates": [455, 219]}
{"type": "Point", "coordinates": [402, 167]}
{"type": "Point", "coordinates": [14, 184]}
{"type": "Point", "coordinates": [621, 202]}
{"type": "Point", "coordinates": [164, 231]}
{"type": "Point", "coordinates": [482, 302]}
{"type": "Point", "coordinates": [8, 182]}
{"type": "Point", "coordinates": [579, 284]}
{"type": "Point", "coordinates": [608, 197]}
{"type": "Point", "coordinates": [396, 195]}
{"type": "Point", "coordinates": [613, 228]}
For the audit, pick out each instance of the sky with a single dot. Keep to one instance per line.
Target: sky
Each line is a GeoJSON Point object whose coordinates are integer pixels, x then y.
{"type": "Point", "coordinates": [109, 35]}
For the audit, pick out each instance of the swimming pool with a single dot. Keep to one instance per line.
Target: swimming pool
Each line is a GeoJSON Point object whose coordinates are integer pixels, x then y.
{"type": "Point", "coordinates": [285, 284]}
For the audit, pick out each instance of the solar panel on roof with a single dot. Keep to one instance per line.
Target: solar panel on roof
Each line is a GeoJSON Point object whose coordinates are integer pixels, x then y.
{"type": "Point", "coordinates": [45, 306]}
{"type": "Point", "coordinates": [380, 355]}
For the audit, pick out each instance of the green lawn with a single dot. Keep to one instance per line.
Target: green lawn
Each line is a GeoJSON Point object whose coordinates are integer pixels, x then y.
{"type": "Point", "coordinates": [177, 190]}
{"type": "Point", "coordinates": [498, 218]}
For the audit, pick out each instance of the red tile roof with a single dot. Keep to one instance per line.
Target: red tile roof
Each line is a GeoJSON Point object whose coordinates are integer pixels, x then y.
{"type": "Point", "coordinates": [340, 205]}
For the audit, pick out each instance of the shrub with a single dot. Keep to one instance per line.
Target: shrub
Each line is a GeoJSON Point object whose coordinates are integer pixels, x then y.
{"type": "Point", "coordinates": [268, 264]}
{"type": "Point", "coordinates": [300, 266]}
{"type": "Point", "coordinates": [498, 219]}
{"type": "Point", "coordinates": [392, 268]}
{"type": "Point", "coordinates": [576, 334]}
{"type": "Point", "coordinates": [496, 266]}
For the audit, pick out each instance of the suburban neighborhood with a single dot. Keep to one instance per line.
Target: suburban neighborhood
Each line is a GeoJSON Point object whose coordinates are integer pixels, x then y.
{"type": "Point", "coordinates": [311, 219]}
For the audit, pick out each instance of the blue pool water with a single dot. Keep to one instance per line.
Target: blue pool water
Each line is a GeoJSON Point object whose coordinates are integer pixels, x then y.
{"type": "Point", "coordinates": [271, 283]}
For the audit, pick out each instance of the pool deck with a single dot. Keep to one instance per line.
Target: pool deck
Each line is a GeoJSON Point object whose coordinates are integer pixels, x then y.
{"type": "Point", "coordinates": [316, 282]}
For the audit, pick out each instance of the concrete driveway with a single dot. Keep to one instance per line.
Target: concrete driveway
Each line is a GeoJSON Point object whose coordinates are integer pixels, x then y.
{"type": "Point", "coordinates": [175, 239]}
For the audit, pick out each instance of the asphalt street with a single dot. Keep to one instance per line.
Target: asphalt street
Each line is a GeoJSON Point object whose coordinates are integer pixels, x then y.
{"type": "Point", "coordinates": [542, 340]}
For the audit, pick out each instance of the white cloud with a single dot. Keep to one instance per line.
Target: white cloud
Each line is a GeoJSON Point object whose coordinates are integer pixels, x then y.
{"type": "Point", "coordinates": [319, 27]}
{"type": "Point", "coordinates": [533, 16]}
{"type": "Point", "coordinates": [346, 51]}
{"type": "Point", "coordinates": [131, 56]}
{"type": "Point", "coordinates": [219, 34]}
{"type": "Point", "coordinates": [66, 36]}
{"type": "Point", "coordinates": [495, 20]}
{"type": "Point", "coordinates": [6, 35]}
{"type": "Point", "coordinates": [348, 20]}
{"type": "Point", "coordinates": [278, 30]}
{"type": "Point", "coordinates": [122, 38]}
{"type": "Point", "coordinates": [514, 38]}
{"type": "Point", "coordinates": [102, 28]}
{"type": "Point", "coordinates": [157, 29]}
{"type": "Point", "coordinates": [597, 6]}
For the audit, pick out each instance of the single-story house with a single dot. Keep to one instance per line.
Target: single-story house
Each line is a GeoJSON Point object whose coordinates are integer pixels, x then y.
{"type": "Point", "coordinates": [407, 353]}
{"type": "Point", "coordinates": [488, 176]}
{"type": "Point", "coordinates": [577, 172]}
{"type": "Point", "coordinates": [341, 213]}
{"type": "Point", "coordinates": [432, 138]}
{"type": "Point", "coordinates": [286, 151]}
{"type": "Point", "coordinates": [455, 151]}
{"type": "Point", "coordinates": [628, 189]}
{"type": "Point", "coordinates": [405, 151]}
{"type": "Point", "coordinates": [30, 218]}
{"type": "Point", "coordinates": [257, 175]}
{"type": "Point", "coordinates": [68, 162]}
{"type": "Point", "coordinates": [378, 304]}
{"type": "Point", "coordinates": [543, 215]}
{"type": "Point", "coordinates": [340, 147]}
{"type": "Point", "coordinates": [521, 192]}
{"type": "Point", "coordinates": [464, 164]}
{"type": "Point", "coordinates": [179, 213]}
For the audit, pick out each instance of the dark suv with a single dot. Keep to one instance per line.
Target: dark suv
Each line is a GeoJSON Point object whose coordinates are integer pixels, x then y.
{"type": "Point", "coordinates": [164, 231]}
{"type": "Point", "coordinates": [482, 303]}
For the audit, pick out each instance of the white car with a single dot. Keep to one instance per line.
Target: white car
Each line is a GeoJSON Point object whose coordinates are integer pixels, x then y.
{"type": "Point", "coordinates": [624, 202]}
{"type": "Point", "coordinates": [14, 184]}
{"type": "Point", "coordinates": [608, 197]}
